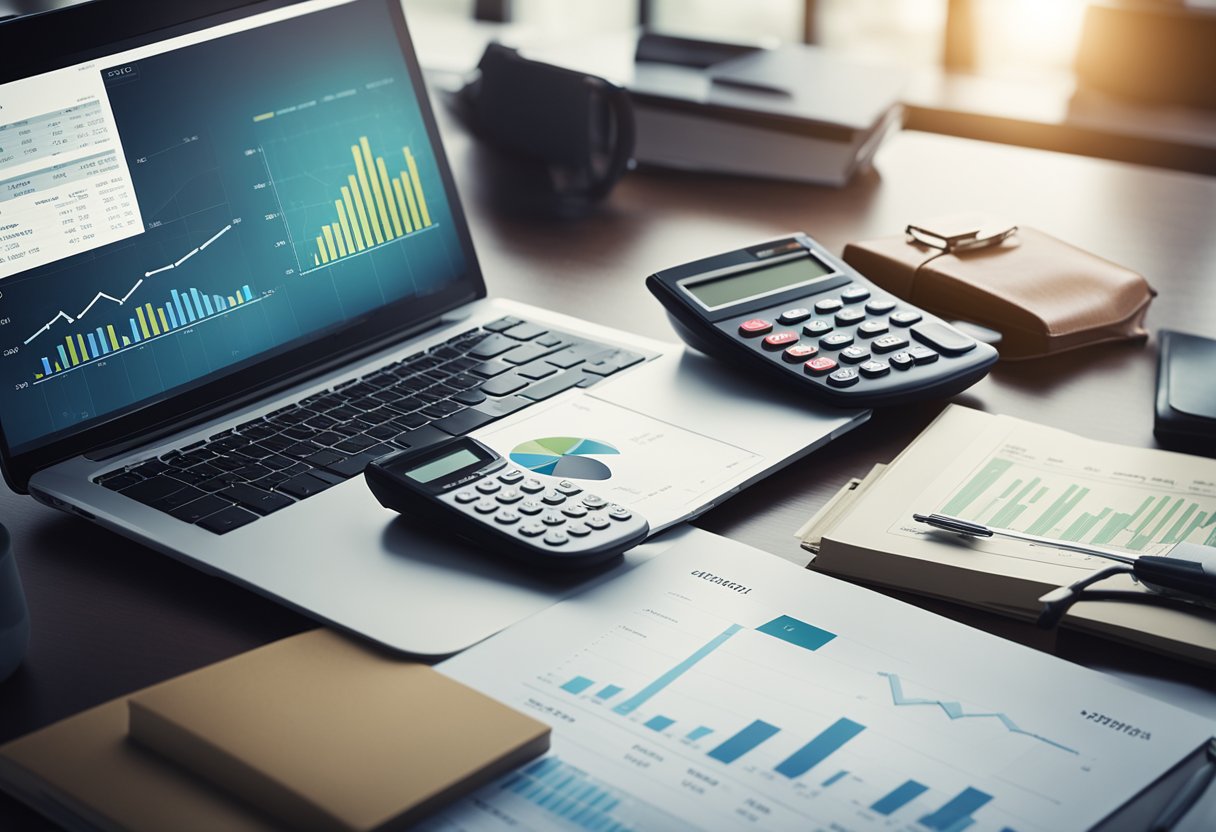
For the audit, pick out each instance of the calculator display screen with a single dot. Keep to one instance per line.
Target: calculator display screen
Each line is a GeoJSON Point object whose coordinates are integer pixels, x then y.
{"type": "Point", "coordinates": [447, 464]}
{"type": "Point", "coordinates": [732, 288]}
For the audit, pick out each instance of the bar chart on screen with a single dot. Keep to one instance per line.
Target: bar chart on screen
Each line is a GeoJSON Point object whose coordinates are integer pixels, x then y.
{"type": "Point", "coordinates": [682, 699]}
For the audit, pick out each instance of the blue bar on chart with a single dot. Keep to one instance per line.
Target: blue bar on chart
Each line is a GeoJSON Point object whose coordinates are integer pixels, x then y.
{"type": "Point", "coordinates": [632, 703]}
{"type": "Point", "coordinates": [568, 793]}
{"type": "Point", "coordinates": [135, 331]}
{"type": "Point", "coordinates": [958, 810]}
{"type": "Point", "coordinates": [820, 748]}
{"type": "Point", "coordinates": [744, 741]}
{"type": "Point", "coordinates": [607, 692]}
{"type": "Point", "coordinates": [696, 733]}
{"type": "Point", "coordinates": [660, 723]}
{"type": "Point", "coordinates": [899, 797]}
{"type": "Point", "coordinates": [177, 304]}
{"type": "Point", "coordinates": [207, 305]}
{"type": "Point", "coordinates": [577, 685]}
{"type": "Point", "coordinates": [93, 350]}
{"type": "Point", "coordinates": [63, 358]}
{"type": "Point", "coordinates": [837, 776]}
{"type": "Point", "coordinates": [46, 366]}
{"type": "Point", "coordinates": [796, 632]}
{"type": "Point", "coordinates": [248, 294]}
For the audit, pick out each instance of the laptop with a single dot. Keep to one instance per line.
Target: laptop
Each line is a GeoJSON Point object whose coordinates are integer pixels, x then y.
{"type": "Point", "coordinates": [234, 269]}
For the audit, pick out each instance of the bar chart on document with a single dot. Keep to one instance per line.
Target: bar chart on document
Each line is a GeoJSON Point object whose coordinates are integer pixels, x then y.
{"type": "Point", "coordinates": [773, 724]}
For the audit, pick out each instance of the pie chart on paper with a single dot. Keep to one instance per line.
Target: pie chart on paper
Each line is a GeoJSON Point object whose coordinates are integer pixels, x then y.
{"type": "Point", "coordinates": [564, 456]}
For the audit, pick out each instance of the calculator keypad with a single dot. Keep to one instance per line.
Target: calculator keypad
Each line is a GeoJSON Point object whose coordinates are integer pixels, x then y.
{"type": "Point", "coordinates": [558, 517]}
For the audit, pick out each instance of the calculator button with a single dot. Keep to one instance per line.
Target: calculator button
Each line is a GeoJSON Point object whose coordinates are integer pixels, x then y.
{"type": "Point", "coordinates": [819, 366]}
{"type": "Point", "coordinates": [486, 507]}
{"type": "Point", "coordinates": [467, 496]}
{"type": "Point", "coordinates": [530, 507]}
{"type": "Point", "coordinates": [754, 327]}
{"type": "Point", "coordinates": [509, 495]}
{"type": "Point", "coordinates": [532, 486]}
{"type": "Point", "coordinates": [835, 341]}
{"type": "Point", "coordinates": [901, 361]}
{"type": "Point", "coordinates": [854, 355]}
{"type": "Point", "coordinates": [507, 517]}
{"type": "Point", "coordinates": [779, 340]}
{"type": "Point", "coordinates": [553, 497]}
{"type": "Point", "coordinates": [800, 352]}
{"type": "Point", "coordinates": [942, 338]}
{"type": "Point", "coordinates": [488, 486]}
{"type": "Point", "coordinates": [511, 477]}
{"type": "Point", "coordinates": [855, 294]}
{"type": "Point", "coordinates": [794, 316]}
{"type": "Point", "coordinates": [619, 513]}
{"type": "Point", "coordinates": [593, 502]}
{"type": "Point", "coordinates": [574, 510]}
{"type": "Point", "coordinates": [556, 538]}
{"type": "Point", "coordinates": [816, 328]}
{"type": "Point", "coordinates": [552, 518]}
{"type": "Point", "coordinates": [532, 529]}
{"type": "Point", "coordinates": [568, 488]}
{"type": "Point", "coordinates": [874, 369]}
{"type": "Point", "coordinates": [827, 305]}
{"type": "Point", "coordinates": [847, 317]}
{"type": "Point", "coordinates": [890, 343]}
{"type": "Point", "coordinates": [578, 529]}
{"type": "Point", "coordinates": [905, 318]}
{"type": "Point", "coordinates": [598, 522]}
{"type": "Point", "coordinates": [843, 377]}
{"type": "Point", "coordinates": [869, 329]}
{"type": "Point", "coordinates": [922, 355]}
{"type": "Point", "coordinates": [880, 307]}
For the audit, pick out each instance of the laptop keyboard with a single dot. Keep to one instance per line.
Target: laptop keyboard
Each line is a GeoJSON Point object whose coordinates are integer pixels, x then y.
{"type": "Point", "coordinates": [266, 464]}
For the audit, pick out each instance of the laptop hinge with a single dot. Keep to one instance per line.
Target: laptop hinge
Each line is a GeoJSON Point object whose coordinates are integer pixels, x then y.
{"type": "Point", "coordinates": [188, 420]}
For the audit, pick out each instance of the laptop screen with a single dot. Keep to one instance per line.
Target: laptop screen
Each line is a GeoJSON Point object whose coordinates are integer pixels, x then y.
{"type": "Point", "coordinates": [179, 210]}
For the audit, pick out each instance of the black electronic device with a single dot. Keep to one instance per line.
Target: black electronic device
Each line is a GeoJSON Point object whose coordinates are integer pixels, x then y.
{"type": "Point", "coordinates": [790, 309]}
{"type": "Point", "coordinates": [1185, 418]}
{"type": "Point", "coordinates": [467, 487]}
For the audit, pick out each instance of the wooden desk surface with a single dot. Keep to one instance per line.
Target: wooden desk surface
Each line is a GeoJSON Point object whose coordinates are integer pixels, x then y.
{"type": "Point", "coordinates": [110, 617]}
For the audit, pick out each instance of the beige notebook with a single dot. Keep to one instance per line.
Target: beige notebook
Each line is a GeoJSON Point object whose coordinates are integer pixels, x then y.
{"type": "Point", "coordinates": [312, 732]}
{"type": "Point", "coordinates": [324, 734]}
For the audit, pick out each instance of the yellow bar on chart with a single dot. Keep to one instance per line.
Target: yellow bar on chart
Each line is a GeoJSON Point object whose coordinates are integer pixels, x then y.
{"type": "Point", "coordinates": [388, 196]}
{"type": "Point", "coordinates": [84, 353]}
{"type": "Point", "coordinates": [366, 190]}
{"type": "Point", "coordinates": [37, 375]}
{"type": "Point", "coordinates": [143, 324]}
{"type": "Point", "coordinates": [329, 242]}
{"type": "Point", "coordinates": [409, 197]}
{"type": "Point", "coordinates": [316, 261]}
{"type": "Point", "coordinates": [58, 369]}
{"type": "Point", "coordinates": [240, 298]}
{"type": "Point", "coordinates": [152, 319]}
{"type": "Point", "coordinates": [126, 342]}
{"type": "Point", "coordinates": [371, 174]}
{"type": "Point", "coordinates": [72, 351]}
{"type": "Point", "coordinates": [321, 249]}
{"type": "Point", "coordinates": [164, 324]}
{"type": "Point", "coordinates": [341, 209]}
{"type": "Point", "coordinates": [113, 336]}
{"type": "Point", "coordinates": [231, 301]}
{"type": "Point", "coordinates": [338, 239]}
{"type": "Point", "coordinates": [409, 160]}
{"type": "Point", "coordinates": [405, 214]}
{"type": "Point", "coordinates": [362, 213]}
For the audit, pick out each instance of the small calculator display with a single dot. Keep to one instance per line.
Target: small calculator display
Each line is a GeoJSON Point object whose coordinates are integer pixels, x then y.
{"type": "Point", "coordinates": [797, 313]}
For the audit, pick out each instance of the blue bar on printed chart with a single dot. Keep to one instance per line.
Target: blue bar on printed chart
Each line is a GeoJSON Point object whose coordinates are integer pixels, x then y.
{"type": "Point", "coordinates": [820, 748]}
{"type": "Point", "coordinates": [101, 339]}
{"type": "Point", "coordinates": [837, 776]}
{"type": "Point", "coordinates": [567, 792]}
{"type": "Point", "coordinates": [248, 294]}
{"type": "Point", "coordinates": [607, 692]}
{"type": "Point", "coordinates": [958, 810]}
{"type": "Point", "coordinates": [899, 797]}
{"type": "Point", "coordinates": [632, 703]}
{"type": "Point", "coordinates": [660, 723]}
{"type": "Point", "coordinates": [744, 741]}
{"type": "Point", "coordinates": [577, 685]}
{"type": "Point", "coordinates": [696, 733]}
{"type": "Point", "coordinates": [796, 632]}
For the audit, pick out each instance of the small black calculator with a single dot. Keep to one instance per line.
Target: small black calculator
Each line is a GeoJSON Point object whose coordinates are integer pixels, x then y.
{"type": "Point", "coordinates": [466, 487]}
{"type": "Point", "coordinates": [791, 310]}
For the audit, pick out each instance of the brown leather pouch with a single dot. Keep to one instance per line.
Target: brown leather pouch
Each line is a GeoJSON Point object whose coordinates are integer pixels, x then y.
{"type": "Point", "coordinates": [1041, 294]}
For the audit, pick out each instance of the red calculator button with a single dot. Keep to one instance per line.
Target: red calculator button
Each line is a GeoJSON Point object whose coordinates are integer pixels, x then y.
{"type": "Point", "coordinates": [800, 352]}
{"type": "Point", "coordinates": [819, 366]}
{"type": "Point", "coordinates": [780, 340]}
{"type": "Point", "coordinates": [756, 326]}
